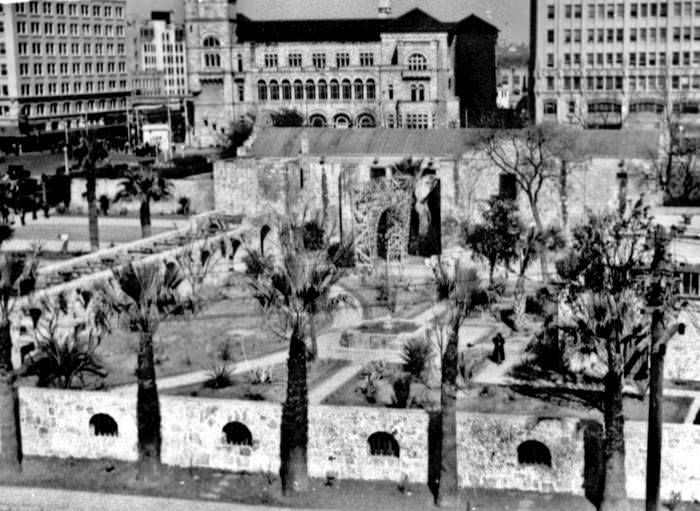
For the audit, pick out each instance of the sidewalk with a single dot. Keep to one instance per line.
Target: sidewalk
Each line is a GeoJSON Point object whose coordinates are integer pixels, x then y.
{"type": "Point", "coordinates": [15, 498]}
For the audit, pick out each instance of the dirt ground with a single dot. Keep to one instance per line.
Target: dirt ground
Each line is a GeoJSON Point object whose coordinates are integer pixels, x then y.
{"type": "Point", "coordinates": [275, 391]}
{"type": "Point", "coordinates": [264, 489]}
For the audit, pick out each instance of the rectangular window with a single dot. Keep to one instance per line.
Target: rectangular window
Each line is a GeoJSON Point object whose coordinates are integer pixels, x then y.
{"type": "Point", "coordinates": [366, 59]}
{"type": "Point", "coordinates": [294, 60]}
{"type": "Point", "coordinates": [567, 36]}
{"type": "Point", "coordinates": [342, 59]}
{"type": "Point", "coordinates": [567, 11]}
{"type": "Point", "coordinates": [550, 12]}
{"type": "Point", "coordinates": [270, 60]}
{"type": "Point", "coordinates": [550, 36]}
{"type": "Point", "coordinates": [577, 11]}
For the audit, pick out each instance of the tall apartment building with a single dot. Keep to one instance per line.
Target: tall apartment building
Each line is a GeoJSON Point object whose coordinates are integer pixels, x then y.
{"type": "Point", "coordinates": [160, 59]}
{"type": "Point", "coordinates": [608, 64]}
{"type": "Point", "coordinates": [410, 71]}
{"type": "Point", "coordinates": [63, 64]}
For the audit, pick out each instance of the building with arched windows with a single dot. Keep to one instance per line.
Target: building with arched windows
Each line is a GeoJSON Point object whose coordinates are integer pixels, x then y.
{"type": "Point", "coordinates": [409, 71]}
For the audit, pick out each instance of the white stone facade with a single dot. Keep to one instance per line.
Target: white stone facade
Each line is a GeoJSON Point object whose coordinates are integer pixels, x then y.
{"type": "Point", "coordinates": [617, 64]}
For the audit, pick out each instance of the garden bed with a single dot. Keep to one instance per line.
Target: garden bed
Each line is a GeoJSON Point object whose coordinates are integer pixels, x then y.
{"type": "Point", "coordinates": [512, 400]}
{"type": "Point", "coordinates": [242, 385]}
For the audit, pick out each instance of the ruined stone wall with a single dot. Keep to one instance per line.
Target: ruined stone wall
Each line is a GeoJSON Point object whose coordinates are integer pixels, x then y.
{"type": "Point", "coordinates": [57, 423]}
{"type": "Point", "coordinates": [683, 351]}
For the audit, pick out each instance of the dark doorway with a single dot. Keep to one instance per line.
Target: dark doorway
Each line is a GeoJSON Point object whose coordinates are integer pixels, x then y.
{"type": "Point", "coordinates": [384, 226]}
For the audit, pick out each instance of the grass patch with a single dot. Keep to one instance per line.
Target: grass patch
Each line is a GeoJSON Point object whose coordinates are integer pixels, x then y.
{"type": "Point", "coordinates": [247, 385]}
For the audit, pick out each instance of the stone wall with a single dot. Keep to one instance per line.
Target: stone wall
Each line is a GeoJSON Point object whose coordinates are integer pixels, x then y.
{"type": "Point", "coordinates": [683, 352]}
{"type": "Point", "coordinates": [488, 457]}
{"type": "Point", "coordinates": [253, 186]}
{"type": "Point", "coordinates": [199, 189]}
{"type": "Point", "coordinates": [57, 423]}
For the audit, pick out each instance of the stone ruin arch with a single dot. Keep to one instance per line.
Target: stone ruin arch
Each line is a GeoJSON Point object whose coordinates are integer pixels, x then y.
{"type": "Point", "coordinates": [390, 195]}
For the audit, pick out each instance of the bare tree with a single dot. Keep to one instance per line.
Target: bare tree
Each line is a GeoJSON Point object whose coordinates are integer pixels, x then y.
{"type": "Point", "coordinates": [529, 157]}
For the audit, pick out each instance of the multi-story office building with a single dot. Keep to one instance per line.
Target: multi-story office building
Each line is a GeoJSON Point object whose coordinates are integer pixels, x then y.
{"type": "Point", "coordinates": [512, 76]}
{"type": "Point", "coordinates": [609, 63]}
{"type": "Point", "coordinates": [409, 71]}
{"type": "Point", "coordinates": [63, 64]}
{"type": "Point", "coordinates": [160, 59]}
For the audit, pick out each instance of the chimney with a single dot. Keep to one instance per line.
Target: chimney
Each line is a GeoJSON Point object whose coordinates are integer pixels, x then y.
{"type": "Point", "coordinates": [384, 8]}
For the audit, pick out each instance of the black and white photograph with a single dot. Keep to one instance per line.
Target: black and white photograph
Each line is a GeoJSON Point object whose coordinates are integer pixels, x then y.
{"type": "Point", "coordinates": [344, 255]}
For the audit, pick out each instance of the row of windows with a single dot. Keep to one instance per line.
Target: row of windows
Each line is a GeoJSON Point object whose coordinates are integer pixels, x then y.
{"type": "Point", "coordinates": [651, 59]}
{"type": "Point", "coordinates": [53, 88]}
{"type": "Point", "coordinates": [636, 10]}
{"type": "Point", "coordinates": [60, 9]}
{"type": "Point", "coordinates": [62, 68]}
{"type": "Point", "coordinates": [612, 35]}
{"type": "Point", "coordinates": [688, 107]}
{"type": "Point", "coordinates": [167, 48]}
{"type": "Point", "coordinates": [635, 83]}
{"type": "Point", "coordinates": [76, 49]}
{"type": "Point", "coordinates": [35, 28]}
{"type": "Point", "coordinates": [311, 90]}
{"type": "Point", "coordinates": [76, 107]}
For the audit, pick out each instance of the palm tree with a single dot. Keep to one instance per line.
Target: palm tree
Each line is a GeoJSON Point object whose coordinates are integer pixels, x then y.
{"type": "Point", "coordinates": [144, 185]}
{"type": "Point", "coordinates": [604, 295]}
{"type": "Point", "coordinates": [296, 287]}
{"type": "Point", "coordinates": [459, 289]}
{"type": "Point", "coordinates": [143, 295]}
{"type": "Point", "coordinates": [88, 155]}
{"type": "Point", "coordinates": [17, 280]}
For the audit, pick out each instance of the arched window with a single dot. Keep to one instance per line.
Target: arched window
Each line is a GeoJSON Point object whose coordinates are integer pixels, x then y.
{"type": "Point", "coordinates": [211, 42]}
{"type": "Point", "coordinates": [347, 89]}
{"type": "Point", "coordinates": [359, 89]}
{"type": "Point", "coordinates": [262, 90]}
{"type": "Point", "coordinates": [310, 90]}
{"type": "Point", "coordinates": [264, 231]}
{"type": "Point", "coordinates": [414, 92]}
{"type": "Point", "coordinates": [322, 89]}
{"type": "Point", "coordinates": [382, 443]}
{"type": "Point", "coordinates": [371, 89]}
{"type": "Point", "coordinates": [318, 121]}
{"type": "Point", "coordinates": [235, 433]}
{"type": "Point", "coordinates": [341, 121]}
{"type": "Point", "coordinates": [390, 121]}
{"type": "Point", "coordinates": [298, 89]}
{"type": "Point", "coordinates": [102, 424]}
{"type": "Point", "coordinates": [421, 92]}
{"type": "Point", "coordinates": [532, 452]}
{"type": "Point", "coordinates": [274, 90]}
{"type": "Point", "coordinates": [417, 62]}
{"type": "Point", "coordinates": [286, 89]}
{"type": "Point", "coordinates": [335, 89]}
{"type": "Point", "coordinates": [365, 121]}
{"type": "Point", "coordinates": [550, 107]}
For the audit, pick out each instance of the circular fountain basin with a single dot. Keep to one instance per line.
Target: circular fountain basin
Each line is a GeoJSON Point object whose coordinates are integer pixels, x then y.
{"type": "Point", "coordinates": [379, 334]}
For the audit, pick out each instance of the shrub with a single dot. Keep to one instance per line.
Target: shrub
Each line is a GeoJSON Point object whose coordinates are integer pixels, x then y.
{"type": "Point", "coordinates": [260, 375]}
{"type": "Point", "coordinates": [416, 355]}
{"type": "Point", "coordinates": [402, 390]}
{"type": "Point", "coordinates": [225, 351]}
{"type": "Point", "coordinates": [220, 377]}
{"type": "Point", "coordinates": [313, 235]}
{"type": "Point", "coordinates": [342, 254]}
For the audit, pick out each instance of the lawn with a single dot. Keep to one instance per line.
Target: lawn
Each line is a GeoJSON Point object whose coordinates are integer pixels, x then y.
{"type": "Point", "coordinates": [228, 330]}
{"type": "Point", "coordinates": [109, 476]}
{"type": "Point", "coordinates": [515, 400]}
{"type": "Point", "coordinates": [242, 385]}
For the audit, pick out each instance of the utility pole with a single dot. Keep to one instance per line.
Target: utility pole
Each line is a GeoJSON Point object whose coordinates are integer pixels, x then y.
{"type": "Point", "coordinates": [660, 336]}
{"type": "Point", "coordinates": [65, 147]}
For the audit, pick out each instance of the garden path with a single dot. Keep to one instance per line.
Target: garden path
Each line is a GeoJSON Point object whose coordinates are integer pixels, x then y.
{"type": "Point", "coordinates": [498, 374]}
{"type": "Point", "coordinates": [196, 377]}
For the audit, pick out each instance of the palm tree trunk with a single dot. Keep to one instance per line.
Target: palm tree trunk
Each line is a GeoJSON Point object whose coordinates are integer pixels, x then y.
{"type": "Point", "coordinates": [314, 337]}
{"type": "Point", "coordinates": [295, 418]}
{"type": "Point", "coordinates": [615, 491]}
{"type": "Point", "coordinates": [145, 216]}
{"type": "Point", "coordinates": [10, 450]}
{"type": "Point", "coordinates": [448, 487]}
{"type": "Point", "coordinates": [147, 411]}
{"type": "Point", "coordinates": [91, 187]}
{"type": "Point", "coordinates": [519, 301]}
